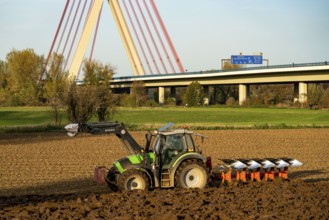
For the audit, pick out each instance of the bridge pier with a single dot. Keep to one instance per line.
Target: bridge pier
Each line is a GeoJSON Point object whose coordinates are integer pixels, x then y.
{"type": "Point", "coordinates": [161, 95]}
{"type": "Point", "coordinates": [300, 90]}
{"type": "Point", "coordinates": [244, 93]}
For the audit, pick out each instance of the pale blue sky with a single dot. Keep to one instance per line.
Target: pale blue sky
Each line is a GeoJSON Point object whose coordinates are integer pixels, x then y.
{"type": "Point", "coordinates": [203, 32]}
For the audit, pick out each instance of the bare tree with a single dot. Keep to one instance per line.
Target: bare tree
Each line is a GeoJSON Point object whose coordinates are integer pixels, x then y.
{"type": "Point", "coordinates": [223, 92]}
{"type": "Point", "coordinates": [55, 85]}
{"type": "Point", "coordinates": [94, 96]}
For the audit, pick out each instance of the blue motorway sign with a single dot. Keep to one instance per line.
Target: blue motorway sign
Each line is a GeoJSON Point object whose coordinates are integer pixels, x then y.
{"type": "Point", "coordinates": [246, 59]}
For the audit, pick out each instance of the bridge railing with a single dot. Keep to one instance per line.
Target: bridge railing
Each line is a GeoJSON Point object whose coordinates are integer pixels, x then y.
{"type": "Point", "coordinates": [229, 70]}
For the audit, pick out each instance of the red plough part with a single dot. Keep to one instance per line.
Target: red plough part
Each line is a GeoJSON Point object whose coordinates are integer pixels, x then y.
{"type": "Point", "coordinates": [99, 175]}
{"type": "Point", "coordinates": [253, 169]}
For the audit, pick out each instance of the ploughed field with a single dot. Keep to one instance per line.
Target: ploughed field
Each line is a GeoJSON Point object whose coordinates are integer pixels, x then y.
{"type": "Point", "coordinates": [49, 175]}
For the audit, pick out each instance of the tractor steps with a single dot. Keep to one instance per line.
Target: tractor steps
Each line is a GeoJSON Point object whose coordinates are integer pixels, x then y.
{"type": "Point", "coordinates": [165, 178]}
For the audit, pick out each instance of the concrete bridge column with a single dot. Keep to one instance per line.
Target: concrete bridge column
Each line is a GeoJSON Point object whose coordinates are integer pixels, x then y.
{"type": "Point", "coordinates": [244, 92]}
{"type": "Point", "coordinates": [161, 95]}
{"type": "Point", "coordinates": [300, 90]}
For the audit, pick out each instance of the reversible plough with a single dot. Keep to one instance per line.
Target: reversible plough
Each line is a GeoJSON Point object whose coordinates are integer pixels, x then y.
{"type": "Point", "coordinates": [253, 169]}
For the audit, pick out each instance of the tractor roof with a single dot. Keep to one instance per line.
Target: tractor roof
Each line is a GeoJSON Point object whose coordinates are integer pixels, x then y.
{"type": "Point", "coordinates": [178, 131]}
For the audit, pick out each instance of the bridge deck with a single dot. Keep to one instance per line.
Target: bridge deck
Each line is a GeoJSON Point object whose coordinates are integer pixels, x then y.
{"type": "Point", "coordinates": [306, 72]}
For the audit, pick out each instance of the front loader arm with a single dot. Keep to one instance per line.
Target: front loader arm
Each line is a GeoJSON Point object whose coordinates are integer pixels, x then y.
{"type": "Point", "coordinates": [106, 128]}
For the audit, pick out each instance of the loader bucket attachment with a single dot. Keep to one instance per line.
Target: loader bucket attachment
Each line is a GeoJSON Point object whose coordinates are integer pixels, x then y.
{"type": "Point", "coordinates": [72, 129]}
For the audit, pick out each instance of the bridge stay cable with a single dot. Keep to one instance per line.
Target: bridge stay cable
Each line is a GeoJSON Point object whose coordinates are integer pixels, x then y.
{"type": "Point", "coordinates": [95, 34]}
{"type": "Point", "coordinates": [171, 45]}
{"type": "Point", "coordinates": [137, 37]}
{"type": "Point", "coordinates": [151, 36]}
{"type": "Point", "coordinates": [77, 29]}
{"type": "Point", "coordinates": [55, 38]}
{"type": "Point", "coordinates": [144, 38]}
{"type": "Point", "coordinates": [72, 18]}
{"type": "Point", "coordinates": [84, 26]}
{"type": "Point", "coordinates": [159, 37]}
{"type": "Point", "coordinates": [70, 30]}
{"type": "Point", "coordinates": [65, 26]}
{"type": "Point", "coordinates": [126, 38]}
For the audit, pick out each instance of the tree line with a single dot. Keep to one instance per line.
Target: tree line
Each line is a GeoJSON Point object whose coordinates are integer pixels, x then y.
{"type": "Point", "coordinates": [26, 81]}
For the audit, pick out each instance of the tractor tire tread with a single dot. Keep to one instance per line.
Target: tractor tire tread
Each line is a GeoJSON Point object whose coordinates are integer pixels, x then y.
{"type": "Point", "coordinates": [187, 163]}
{"type": "Point", "coordinates": [127, 174]}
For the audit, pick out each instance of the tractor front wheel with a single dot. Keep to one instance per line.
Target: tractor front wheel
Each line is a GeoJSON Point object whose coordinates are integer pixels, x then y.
{"type": "Point", "coordinates": [110, 179]}
{"type": "Point", "coordinates": [191, 174]}
{"type": "Point", "coordinates": [133, 179]}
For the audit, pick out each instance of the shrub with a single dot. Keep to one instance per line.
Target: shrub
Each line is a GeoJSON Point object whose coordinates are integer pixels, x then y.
{"type": "Point", "coordinates": [138, 94]}
{"type": "Point", "coordinates": [194, 95]}
{"type": "Point", "coordinates": [94, 97]}
{"type": "Point", "coordinates": [170, 101]}
{"type": "Point", "coordinates": [126, 100]}
{"type": "Point", "coordinates": [151, 103]}
{"type": "Point", "coordinates": [231, 101]}
{"type": "Point", "coordinates": [324, 101]}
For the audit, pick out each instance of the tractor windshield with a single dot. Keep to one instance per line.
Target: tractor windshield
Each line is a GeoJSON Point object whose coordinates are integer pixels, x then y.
{"type": "Point", "coordinates": [172, 145]}
{"type": "Point", "coordinates": [175, 146]}
{"type": "Point", "coordinates": [175, 142]}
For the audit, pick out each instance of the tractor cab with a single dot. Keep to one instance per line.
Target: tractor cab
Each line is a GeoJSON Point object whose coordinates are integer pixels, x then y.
{"type": "Point", "coordinates": [170, 145]}
{"type": "Point", "coordinates": [171, 149]}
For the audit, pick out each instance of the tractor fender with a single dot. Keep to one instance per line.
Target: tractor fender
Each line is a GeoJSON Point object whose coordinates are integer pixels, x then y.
{"type": "Point", "coordinates": [124, 164]}
{"type": "Point", "coordinates": [181, 159]}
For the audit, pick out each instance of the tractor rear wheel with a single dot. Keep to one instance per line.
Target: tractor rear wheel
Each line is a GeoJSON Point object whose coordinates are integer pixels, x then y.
{"type": "Point", "coordinates": [133, 179]}
{"type": "Point", "coordinates": [191, 174]}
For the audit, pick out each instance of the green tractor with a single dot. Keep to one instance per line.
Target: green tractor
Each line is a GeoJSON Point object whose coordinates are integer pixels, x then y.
{"type": "Point", "coordinates": [169, 159]}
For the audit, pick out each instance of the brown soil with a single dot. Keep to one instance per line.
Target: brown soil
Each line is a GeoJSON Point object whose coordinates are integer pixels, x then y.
{"type": "Point", "coordinates": [49, 175]}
